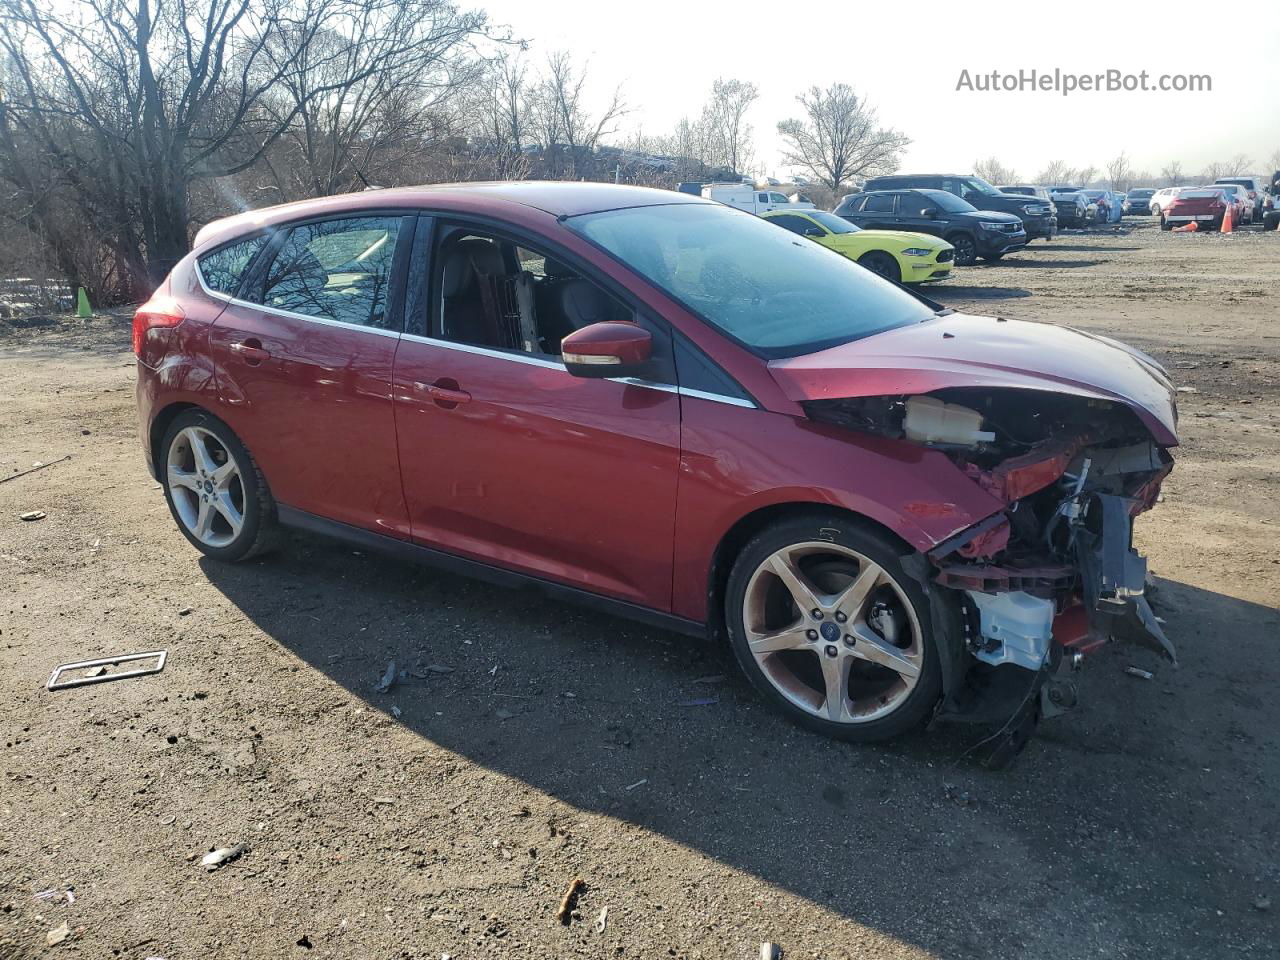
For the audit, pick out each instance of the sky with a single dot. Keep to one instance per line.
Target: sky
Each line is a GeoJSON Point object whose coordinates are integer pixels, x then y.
{"type": "Point", "coordinates": [907, 60]}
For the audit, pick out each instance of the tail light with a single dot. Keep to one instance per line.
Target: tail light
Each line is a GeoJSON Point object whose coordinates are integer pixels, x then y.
{"type": "Point", "coordinates": [158, 312]}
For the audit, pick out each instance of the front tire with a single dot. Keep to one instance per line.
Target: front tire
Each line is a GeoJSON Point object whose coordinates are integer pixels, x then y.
{"type": "Point", "coordinates": [214, 489]}
{"type": "Point", "coordinates": [966, 249]}
{"type": "Point", "coordinates": [881, 263]}
{"type": "Point", "coordinates": [831, 630]}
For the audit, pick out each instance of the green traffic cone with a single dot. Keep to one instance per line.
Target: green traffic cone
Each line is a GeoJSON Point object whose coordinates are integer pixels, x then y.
{"type": "Point", "coordinates": [82, 305]}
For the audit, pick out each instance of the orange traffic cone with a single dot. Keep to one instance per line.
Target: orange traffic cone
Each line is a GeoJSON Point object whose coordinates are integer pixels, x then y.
{"type": "Point", "coordinates": [1226, 220]}
{"type": "Point", "coordinates": [1191, 227]}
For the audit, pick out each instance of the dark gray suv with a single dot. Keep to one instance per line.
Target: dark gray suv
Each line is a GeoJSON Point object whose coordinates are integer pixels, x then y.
{"type": "Point", "coordinates": [1039, 217]}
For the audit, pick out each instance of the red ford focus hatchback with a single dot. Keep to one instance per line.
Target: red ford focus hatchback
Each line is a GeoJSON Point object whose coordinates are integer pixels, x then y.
{"type": "Point", "coordinates": [677, 412]}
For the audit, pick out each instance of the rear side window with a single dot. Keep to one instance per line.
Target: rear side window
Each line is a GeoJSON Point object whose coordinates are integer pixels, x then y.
{"type": "Point", "coordinates": [335, 270]}
{"type": "Point", "coordinates": [880, 203]}
{"type": "Point", "coordinates": [223, 269]}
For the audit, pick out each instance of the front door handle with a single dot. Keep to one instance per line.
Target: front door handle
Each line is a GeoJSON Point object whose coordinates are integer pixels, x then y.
{"type": "Point", "coordinates": [445, 392]}
{"type": "Point", "coordinates": [251, 350]}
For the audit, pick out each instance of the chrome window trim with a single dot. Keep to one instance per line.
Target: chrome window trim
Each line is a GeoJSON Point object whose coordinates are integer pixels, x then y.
{"type": "Point", "coordinates": [557, 365]}
{"type": "Point", "coordinates": [470, 348]}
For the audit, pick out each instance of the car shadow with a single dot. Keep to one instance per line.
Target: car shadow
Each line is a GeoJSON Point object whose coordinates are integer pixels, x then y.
{"type": "Point", "coordinates": [1088, 248]}
{"type": "Point", "coordinates": [1021, 262]}
{"type": "Point", "coordinates": [985, 293]}
{"type": "Point", "coordinates": [1098, 831]}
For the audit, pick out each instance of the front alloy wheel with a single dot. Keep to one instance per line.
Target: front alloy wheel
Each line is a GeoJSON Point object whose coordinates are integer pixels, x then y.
{"type": "Point", "coordinates": [966, 249]}
{"type": "Point", "coordinates": [827, 624]}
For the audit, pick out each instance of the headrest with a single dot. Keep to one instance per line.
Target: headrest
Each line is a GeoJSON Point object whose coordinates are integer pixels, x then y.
{"type": "Point", "coordinates": [556, 270]}
{"type": "Point", "coordinates": [469, 256]}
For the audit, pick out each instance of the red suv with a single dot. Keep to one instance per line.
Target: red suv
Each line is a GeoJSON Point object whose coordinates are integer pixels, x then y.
{"type": "Point", "coordinates": [677, 412]}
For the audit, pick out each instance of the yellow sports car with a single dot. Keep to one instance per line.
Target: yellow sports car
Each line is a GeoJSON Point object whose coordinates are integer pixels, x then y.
{"type": "Point", "coordinates": [894, 254]}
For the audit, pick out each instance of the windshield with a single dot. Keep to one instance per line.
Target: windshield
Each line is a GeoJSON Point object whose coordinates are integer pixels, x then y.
{"type": "Point", "coordinates": [777, 294]}
{"type": "Point", "coordinates": [978, 185]}
{"type": "Point", "coordinates": [832, 222]}
{"type": "Point", "coordinates": [1141, 194]}
{"type": "Point", "coordinates": [1064, 189]}
{"type": "Point", "coordinates": [949, 201]}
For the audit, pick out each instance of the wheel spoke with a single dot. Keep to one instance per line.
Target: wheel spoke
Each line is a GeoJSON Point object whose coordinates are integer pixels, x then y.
{"type": "Point", "coordinates": [223, 503]}
{"type": "Point", "coordinates": [199, 452]}
{"type": "Point", "coordinates": [789, 638]}
{"type": "Point", "coordinates": [797, 584]}
{"type": "Point", "coordinates": [854, 598]}
{"type": "Point", "coordinates": [204, 519]}
{"type": "Point", "coordinates": [835, 679]}
{"type": "Point", "coordinates": [182, 478]}
{"type": "Point", "coordinates": [223, 475]}
{"type": "Point", "coordinates": [875, 649]}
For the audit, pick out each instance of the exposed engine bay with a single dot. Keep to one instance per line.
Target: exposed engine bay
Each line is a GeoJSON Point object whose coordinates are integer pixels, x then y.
{"type": "Point", "coordinates": [1055, 573]}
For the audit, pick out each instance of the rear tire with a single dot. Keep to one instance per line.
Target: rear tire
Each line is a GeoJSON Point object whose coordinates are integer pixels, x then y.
{"type": "Point", "coordinates": [831, 630]}
{"type": "Point", "coordinates": [881, 263]}
{"type": "Point", "coordinates": [1165, 224]}
{"type": "Point", "coordinates": [214, 489]}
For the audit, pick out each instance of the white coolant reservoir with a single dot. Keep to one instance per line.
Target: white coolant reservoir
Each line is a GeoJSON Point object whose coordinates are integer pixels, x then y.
{"type": "Point", "coordinates": [1017, 626]}
{"type": "Point", "coordinates": [930, 420]}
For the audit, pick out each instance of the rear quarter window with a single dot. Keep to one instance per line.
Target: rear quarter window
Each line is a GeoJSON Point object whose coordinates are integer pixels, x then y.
{"type": "Point", "coordinates": [223, 269]}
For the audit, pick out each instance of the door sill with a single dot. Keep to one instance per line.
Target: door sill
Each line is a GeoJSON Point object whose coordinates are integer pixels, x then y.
{"type": "Point", "coordinates": [310, 523]}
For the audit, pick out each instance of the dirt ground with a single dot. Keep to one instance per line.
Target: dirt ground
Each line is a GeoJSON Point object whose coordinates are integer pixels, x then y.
{"type": "Point", "coordinates": [449, 815]}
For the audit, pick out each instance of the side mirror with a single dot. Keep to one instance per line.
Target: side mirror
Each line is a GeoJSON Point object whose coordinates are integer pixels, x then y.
{"type": "Point", "coordinates": [929, 213]}
{"type": "Point", "coordinates": [610, 349]}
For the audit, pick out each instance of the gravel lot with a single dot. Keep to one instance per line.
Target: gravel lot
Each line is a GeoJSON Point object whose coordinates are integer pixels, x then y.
{"type": "Point", "coordinates": [449, 815]}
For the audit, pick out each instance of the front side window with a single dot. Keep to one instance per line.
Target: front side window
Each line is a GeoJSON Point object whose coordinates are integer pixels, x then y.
{"type": "Point", "coordinates": [335, 270]}
{"type": "Point", "coordinates": [498, 294]}
{"type": "Point", "coordinates": [223, 269]}
{"type": "Point", "coordinates": [795, 224]}
{"type": "Point", "coordinates": [833, 223]}
{"type": "Point", "coordinates": [777, 294]}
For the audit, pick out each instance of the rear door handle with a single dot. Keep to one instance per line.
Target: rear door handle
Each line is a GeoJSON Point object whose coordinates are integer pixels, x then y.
{"type": "Point", "coordinates": [251, 350]}
{"type": "Point", "coordinates": [444, 392]}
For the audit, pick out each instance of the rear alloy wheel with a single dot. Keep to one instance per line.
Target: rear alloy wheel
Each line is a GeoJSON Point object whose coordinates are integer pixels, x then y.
{"type": "Point", "coordinates": [831, 630]}
{"type": "Point", "coordinates": [214, 489]}
{"type": "Point", "coordinates": [966, 249]}
{"type": "Point", "coordinates": [879, 262]}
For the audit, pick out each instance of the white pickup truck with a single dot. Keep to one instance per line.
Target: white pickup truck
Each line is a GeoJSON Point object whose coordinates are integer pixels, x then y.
{"type": "Point", "coordinates": [746, 197]}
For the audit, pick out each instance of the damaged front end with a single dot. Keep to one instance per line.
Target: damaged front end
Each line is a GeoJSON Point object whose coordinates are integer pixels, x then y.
{"type": "Point", "coordinates": [1054, 573]}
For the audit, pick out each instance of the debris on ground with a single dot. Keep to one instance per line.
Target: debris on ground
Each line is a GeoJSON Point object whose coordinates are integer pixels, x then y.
{"type": "Point", "coordinates": [569, 899]}
{"type": "Point", "coordinates": [602, 921]}
{"type": "Point", "coordinates": [713, 678]}
{"type": "Point", "coordinates": [31, 515]}
{"type": "Point", "coordinates": [504, 714]}
{"type": "Point", "coordinates": [638, 783]}
{"type": "Point", "coordinates": [58, 934]}
{"type": "Point", "coordinates": [770, 951]}
{"type": "Point", "coordinates": [216, 858]}
{"type": "Point", "coordinates": [699, 702]}
{"type": "Point", "coordinates": [33, 469]}
{"type": "Point", "coordinates": [97, 672]}
{"type": "Point", "coordinates": [388, 679]}
{"type": "Point", "coordinates": [1262, 903]}
{"type": "Point", "coordinates": [1139, 673]}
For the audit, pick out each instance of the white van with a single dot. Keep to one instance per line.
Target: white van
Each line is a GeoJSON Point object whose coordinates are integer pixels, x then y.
{"type": "Point", "coordinates": [746, 197]}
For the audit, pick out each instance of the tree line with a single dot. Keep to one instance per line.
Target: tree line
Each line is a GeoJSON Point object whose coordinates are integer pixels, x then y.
{"type": "Point", "coordinates": [127, 124]}
{"type": "Point", "coordinates": [1120, 174]}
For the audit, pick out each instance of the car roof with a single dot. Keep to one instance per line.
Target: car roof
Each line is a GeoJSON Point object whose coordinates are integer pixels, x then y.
{"type": "Point", "coordinates": [559, 199]}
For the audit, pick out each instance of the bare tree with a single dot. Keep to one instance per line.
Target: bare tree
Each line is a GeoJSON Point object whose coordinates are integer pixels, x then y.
{"type": "Point", "coordinates": [563, 121]}
{"type": "Point", "coordinates": [134, 101]}
{"type": "Point", "coordinates": [1085, 175]}
{"type": "Point", "coordinates": [1120, 172]}
{"type": "Point", "coordinates": [1172, 174]}
{"type": "Point", "coordinates": [840, 138]}
{"type": "Point", "coordinates": [1057, 172]}
{"type": "Point", "coordinates": [993, 171]}
{"type": "Point", "coordinates": [1237, 166]}
{"type": "Point", "coordinates": [727, 137]}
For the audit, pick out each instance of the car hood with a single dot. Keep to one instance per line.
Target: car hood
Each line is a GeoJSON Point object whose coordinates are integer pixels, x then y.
{"type": "Point", "coordinates": [996, 216]}
{"type": "Point", "coordinates": [959, 350]}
